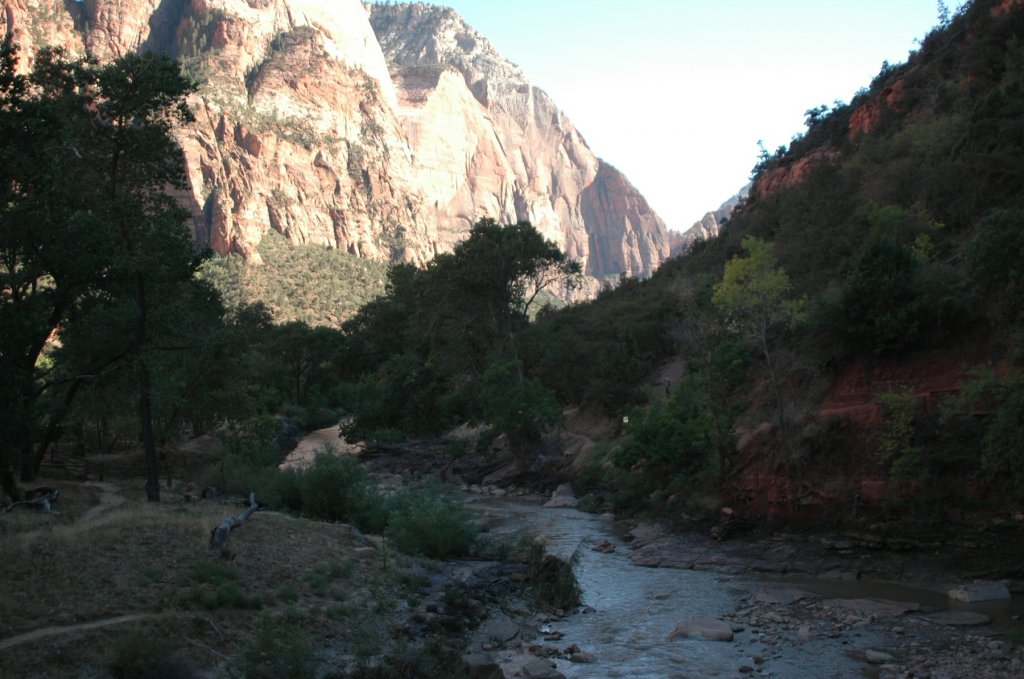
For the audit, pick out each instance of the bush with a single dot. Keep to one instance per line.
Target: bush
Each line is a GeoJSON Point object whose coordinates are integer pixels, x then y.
{"type": "Point", "coordinates": [430, 520]}
{"type": "Point", "coordinates": [280, 649]}
{"type": "Point", "coordinates": [553, 579]}
{"type": "Point", "coordinates": [336, 488]}
{"type": "Point", "coordinates": [995, 259]}
{"type": "Point", "coordinates": [143, 653]}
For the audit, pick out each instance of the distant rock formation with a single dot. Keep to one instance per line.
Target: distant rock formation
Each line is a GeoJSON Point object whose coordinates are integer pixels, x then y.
{"type": "Point", "coordinates": [387, 140]}
{"type": "Point", "coordinates": [709, 225]}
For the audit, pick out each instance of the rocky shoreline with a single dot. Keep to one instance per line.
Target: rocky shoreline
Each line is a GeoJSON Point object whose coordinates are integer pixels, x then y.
{"type": "Point", "coordinates": [801, 605]}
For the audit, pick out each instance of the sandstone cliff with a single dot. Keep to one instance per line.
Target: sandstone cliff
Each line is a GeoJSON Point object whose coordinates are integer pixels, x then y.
{"type": "Point", "coordinates": [305, 125]}
{"type": "Point", "coordinates": [487, 142]}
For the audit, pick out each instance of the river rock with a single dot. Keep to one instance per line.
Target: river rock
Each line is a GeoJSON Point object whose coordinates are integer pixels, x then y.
{"type": "Point", "coordinates": [562, 497]}
{"type": "Point", "coordinates": [582, 657]}
{"type": "Point", "coordinates": [781, 596]}
{"type": "Point", "coordinates": [502, 476]}
{"type": "Point", "coordinates": [540, 669]}
{"type": "Point", "coordinates": [980, 591]}
{"type": "Point", "coordinates": [877, 657]}
{"type": "Point", "coordinates": [482, 666]}
{"type": "Point", "coordinates": [959, 618]}
{"type": "Point", "coordinates": [500, 628]}
{"type": "Point", "coordinates": [876, 607]}
{"type": "Point", "coordinates": [710, 629]}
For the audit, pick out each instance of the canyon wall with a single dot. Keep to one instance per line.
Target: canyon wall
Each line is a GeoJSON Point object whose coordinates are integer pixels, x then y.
{"type": "Point", "coordinates": [383, 131]}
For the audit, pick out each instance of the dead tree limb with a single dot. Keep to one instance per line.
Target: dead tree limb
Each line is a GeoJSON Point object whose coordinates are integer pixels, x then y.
{"type": "Point", "coordinates": [219, 535]}
{"type": "Point", "coordinates": [42, 498]}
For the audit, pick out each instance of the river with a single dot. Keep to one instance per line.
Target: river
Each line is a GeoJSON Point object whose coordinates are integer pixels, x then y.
{"type": "Point", "coordinates": [636, 608]}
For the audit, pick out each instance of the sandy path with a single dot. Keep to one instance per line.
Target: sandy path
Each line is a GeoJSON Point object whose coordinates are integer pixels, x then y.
{"type": "Point", "coordinates": [69, 629]}
{"type": "Point", "coordinates": [316, 442]}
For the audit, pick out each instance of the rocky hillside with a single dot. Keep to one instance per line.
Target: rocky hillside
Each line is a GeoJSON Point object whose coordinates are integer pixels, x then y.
{"type": "Point", "coordinates": [385, 141]}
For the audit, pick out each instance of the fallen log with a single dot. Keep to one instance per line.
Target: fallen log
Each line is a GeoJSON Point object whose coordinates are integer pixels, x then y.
{"type": "Point", "coordinates": [42, 498]}
{"type": "Point", "coordinates": [219, 535]}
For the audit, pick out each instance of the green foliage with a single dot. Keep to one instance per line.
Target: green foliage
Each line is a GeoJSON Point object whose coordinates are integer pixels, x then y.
{"type": "Point", "coordinates": [431, 521]}
{"type": "Point", "coordinates": [754, 295]}
{"type": "Point", "coordinates": [421, 352]}
{"type": "Point", "coordinates": [336, 488]}
{"type": "Point", "coordinates": [992, 407]}
{"type": "Point", "coordinates": [90, 238]}
{"type": "Point", "coordinates": [306, 283]}
{"type": "Point", "coordinates": [897, 447]}
{"type": "Point", "coordinates": [601, 352]}
{"type": "Point", "coordinates": [144, 653]}
{"type": "Point", "coordinates": [995, 260]}
{"type": "Point", "coordinates": [553, 580]}
{"type": "Point", "coordinates": [212, 572]}
{"type": "Point", "coordinates": [880, 305]}
{"type": "Point", "coordinates": [516, 405]}
{"type": "Point", "coordinates": [280, 649]}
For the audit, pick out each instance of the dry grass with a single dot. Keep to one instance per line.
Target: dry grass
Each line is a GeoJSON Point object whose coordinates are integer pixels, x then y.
{"type": "Point", "coordinates": [141, 558]}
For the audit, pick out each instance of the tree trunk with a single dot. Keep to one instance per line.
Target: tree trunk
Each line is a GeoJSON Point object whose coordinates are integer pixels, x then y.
{"type": "Point", "coordinates": [145, 396]}
{"type": "Point", "coordinates": [50, 435]}
{"type": "Point", "coordinates": [148, 438]}
{"type": "Point", "coordinates": [9, 485]}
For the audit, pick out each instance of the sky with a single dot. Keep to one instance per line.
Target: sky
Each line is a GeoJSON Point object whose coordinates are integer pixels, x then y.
{"type": "Point", "coordinates": [677, 93]}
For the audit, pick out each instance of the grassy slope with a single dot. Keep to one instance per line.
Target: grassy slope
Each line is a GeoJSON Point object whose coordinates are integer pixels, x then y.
{"type": "Point", "coordinates": [308, 283]}
{"type": "Point", "coordinates": [153, 560]}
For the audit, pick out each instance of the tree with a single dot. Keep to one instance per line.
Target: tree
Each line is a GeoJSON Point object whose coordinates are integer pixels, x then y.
{"type": "Point", "coordinates": [424, 348]}
{"type": "Point", "coordinates": [89, 234]}
{"type": "Point", "coordinates": [754, 296]}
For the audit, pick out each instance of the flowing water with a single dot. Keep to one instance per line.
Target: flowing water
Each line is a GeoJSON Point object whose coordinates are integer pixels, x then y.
{"type": "Point", "coordinates": [636, 608]}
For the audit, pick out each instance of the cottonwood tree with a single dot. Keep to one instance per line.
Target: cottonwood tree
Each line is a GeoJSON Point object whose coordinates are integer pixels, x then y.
{"type": "Point", "coordinates": [754, 295]}
{"type": "Point", "coordinates": [425, 348]}
{"type": "Point", "coordinates": [89, 234]}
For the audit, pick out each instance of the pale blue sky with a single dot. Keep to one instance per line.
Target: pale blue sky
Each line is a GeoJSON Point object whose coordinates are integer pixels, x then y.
{"type": "Point", "coordinates": [676, 94]}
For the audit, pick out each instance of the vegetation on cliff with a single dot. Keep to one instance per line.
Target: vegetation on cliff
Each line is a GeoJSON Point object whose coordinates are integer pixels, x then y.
{"type": "Point", "coordinates": [898, 218]}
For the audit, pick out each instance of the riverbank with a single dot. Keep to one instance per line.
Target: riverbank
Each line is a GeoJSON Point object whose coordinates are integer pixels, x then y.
{"type": "Point", "coordinates": [813, 603]}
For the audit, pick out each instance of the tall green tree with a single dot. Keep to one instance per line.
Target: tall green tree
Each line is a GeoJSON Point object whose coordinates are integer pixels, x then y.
{"type": "Point", "coordinates": [423, 349]}
{"type": "Point", "coordinates": [755, 297]}
{"type": "Point", "coordinates": [89, 233]}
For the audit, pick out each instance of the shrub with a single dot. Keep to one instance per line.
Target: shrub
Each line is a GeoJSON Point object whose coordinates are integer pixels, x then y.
{"type": "Point", "coordinates": [336, 488]}
{"type": "Point", "coordinates": [519, 406]}
{"type": "Point", "coordinates": [430, 520]}
{"type": "Point", "coordinates": [142, 653]}
{"type": "Point", "coordinates": [553, 579]}
{"type": "Point", "coordinates": [280, 649]}
{"type": "Point", "coordinates": [995, 259]}
{"type": "Point", "coordinates": [897, 446]}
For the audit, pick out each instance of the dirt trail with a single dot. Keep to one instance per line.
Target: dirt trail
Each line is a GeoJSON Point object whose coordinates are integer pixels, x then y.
{"type": "Point", "coordinates": [315, 442]}
{"type": "Point", "coordinates": [110, 497]}
{"type": "Point", "coordinates": [69, 629]}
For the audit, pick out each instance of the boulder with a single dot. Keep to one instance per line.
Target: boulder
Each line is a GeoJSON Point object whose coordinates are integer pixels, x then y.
{"type": "Point", "coordinates": [562, 497]}
{"type": "Point", "coordinates": [980, 591]}
{"type": "Point", "coordinates": [501, 628]}
{"type": "Point", "coordinates": [877, 657]}
{"type": "Point", "coordinates": [710, 629]}
{"type": "Point", "coordinates": [876, 607]}
{"type": "Point", "coordinates": [959, 618]}
{"type": "Point", "coordinates": [540, 669]}
{"type": "Point", "coordinates": [782, 596]}
{"type": "Point", "coordinates": [482, 666]}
